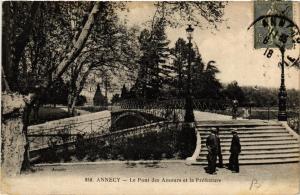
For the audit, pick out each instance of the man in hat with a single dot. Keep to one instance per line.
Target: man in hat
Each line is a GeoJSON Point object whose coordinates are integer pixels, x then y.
{"type": "Point", "coordinates": [220, 157]}
{"type": "Point", "coordinates": [212, 147]}
{"type": "Point", "coordinates": [235, 150]}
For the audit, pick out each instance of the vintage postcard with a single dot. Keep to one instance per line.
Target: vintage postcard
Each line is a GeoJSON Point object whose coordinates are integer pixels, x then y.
{"type": "Point", "coordinates": [150, 97]}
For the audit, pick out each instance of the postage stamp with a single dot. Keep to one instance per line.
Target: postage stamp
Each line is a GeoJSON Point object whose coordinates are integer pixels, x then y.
{"type": "Point", "coordinates": [268, 27]}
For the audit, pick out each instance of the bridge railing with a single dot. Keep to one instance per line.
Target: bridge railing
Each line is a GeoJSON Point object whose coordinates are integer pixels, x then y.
{"type": "Point", "coordinates": [61, 134]}
{"type": "Point", "coordinates": [165, 113]}
{"type": "Point", "coordinates": [130, 132]}
{"type": "Point", "coordinates": [199, 104]}
{"type": "Point", "coordinates": [172, 109]}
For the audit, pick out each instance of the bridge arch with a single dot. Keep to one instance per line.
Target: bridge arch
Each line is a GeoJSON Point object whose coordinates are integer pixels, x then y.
{"type": "Point", "coordinates": [127, 119]}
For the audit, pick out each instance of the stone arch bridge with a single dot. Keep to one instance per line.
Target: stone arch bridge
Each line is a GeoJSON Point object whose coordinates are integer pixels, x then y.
{"type": "Point", "coordinates": [127, 118]}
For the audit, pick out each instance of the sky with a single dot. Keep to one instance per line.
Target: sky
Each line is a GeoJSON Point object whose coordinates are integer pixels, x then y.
{"type": "Point", "coordinates": [232, 46]}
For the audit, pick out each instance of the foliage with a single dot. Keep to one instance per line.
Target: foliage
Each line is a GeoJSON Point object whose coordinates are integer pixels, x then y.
{"type": "Point", "coordinates": [109, 49]}
{"type": "Point", "coordinates": [155, 52]}
{"type": "Point", "coordinates": [294, 123]}
{"type": "Point", "coordinates": [179, 54]}
{"type": "Point", "coordinates": [48, 114]}
{"type": "Point", "coordinates": [204, 81]}
{"type": "Point", "coordinates": [150, 146]}
{"type": "Point", "coordinates": [155, 71]}
{"type": "Point", "coordinates": [57, 94]}
{"type": "Point", "coordinates": [259, 96]}
{"type": "Point", "coordinates": [234, 91]}
{"type": "Point", "coordinates": [81, 100]}
{"type": "Point", "coordinates": [262, 96]}
{"type": "Point", "coordinates": [69, 45]}
{"type": "Point", "coordinates": [124, 93]}
{"type": "Point", "coordinates": [92, 108]}
{"type": "Point", "coordinates": [197, 13]}
{"type": "Point", "coordinates": [115, 98]}
{"type": "Point", "coordinates": [173, 74]}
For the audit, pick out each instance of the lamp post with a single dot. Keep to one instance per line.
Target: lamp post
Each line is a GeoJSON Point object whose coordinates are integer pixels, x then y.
{"type": "Point", "coordinates": [282, 116]}
{"type": "Point", "coordinates": [189, 114]}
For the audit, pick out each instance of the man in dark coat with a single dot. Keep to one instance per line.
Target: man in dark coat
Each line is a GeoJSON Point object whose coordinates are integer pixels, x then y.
{"type": "Point", "coordinates": [212, 147]}
{"type": "Point", "coordinates": [220, 157]}
{"type": "Point", "coordinates": [235, 150]}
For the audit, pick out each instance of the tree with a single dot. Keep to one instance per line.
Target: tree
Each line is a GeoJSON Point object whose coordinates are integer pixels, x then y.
{"type": "Point", "coordinates": [45, 56]}
{"type": "Point", "coordinates": [165, 15]}
{"type": "Point", "coordinates": [115, 98]}
{"type": "Point", "coordinates": [124, 93]}
{"type": "Point", "coordinates": [204, 82]}
{"type": "Point", "coordinates": [263, 96]}
{"type": "Point", "coordinates": [234, 91]}
{"type": "Point", "coordinates": [14, 45]}
{"type": "Point", "coordinates": [57, 94]}
{"type": "Point", "coordinates": [203, 76]}
{"type": "Point", "coordinates": [111, 48]}
{"type": "Point", "coordinates": [153, 62]}
{"type": "Point", "coordinates": [179, 54]}
{"type": "Point", "coordinates": [197, 13]}
{"type": "Point", "coordinates": [28, 102]}
{"type": "Point", "coordinates": [81, 100]}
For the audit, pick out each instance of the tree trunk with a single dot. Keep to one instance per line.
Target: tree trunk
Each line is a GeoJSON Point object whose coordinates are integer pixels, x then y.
{"type": "Point", "coordinates": [12, 135]}
{"type": "Point", "coordinates": [13, 128]}
{"type": "Point", "coordinates": [36, 109]}
{"type": "Point", "coordinates": [5, 86]}
{"type": "Point", "coordinates": [70, 102]}
{"type": "Point", "coordinates": [73, 109]}
{"type": "Point", "coordinates": [21, 43]}
{"type": "Point", "coordinates": [6, 47]}
{"type": "Point", "coordinates": [77, 89]}
{"type": "Point", "coordinates": [26, 119]}
{"type": "Point", "coordinates": [80, 42]}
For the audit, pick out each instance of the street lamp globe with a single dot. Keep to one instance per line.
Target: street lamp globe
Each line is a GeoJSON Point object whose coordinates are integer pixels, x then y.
{"type": "Point", "coordinates": [189, 32]}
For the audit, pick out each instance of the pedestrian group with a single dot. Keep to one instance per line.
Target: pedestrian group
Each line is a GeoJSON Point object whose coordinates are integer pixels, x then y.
{"type": "Point", "coordinates": [213, 145]}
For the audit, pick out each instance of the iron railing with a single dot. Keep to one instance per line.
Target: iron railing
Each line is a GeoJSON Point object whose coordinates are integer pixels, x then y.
{"type": "Point", "coordinates": [61, 134]}
{"type": "Point", "coordinates": [199, 104]}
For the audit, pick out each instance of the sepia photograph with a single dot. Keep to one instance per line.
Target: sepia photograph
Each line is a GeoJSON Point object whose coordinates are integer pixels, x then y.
{"type": "Point", "coordinates": [150, 97]}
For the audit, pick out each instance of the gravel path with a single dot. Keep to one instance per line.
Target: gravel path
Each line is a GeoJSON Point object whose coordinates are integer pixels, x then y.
{"type": "Point", "coordinates": [206, 116]}
{"type": "Point", "coordinates": [161, 178]}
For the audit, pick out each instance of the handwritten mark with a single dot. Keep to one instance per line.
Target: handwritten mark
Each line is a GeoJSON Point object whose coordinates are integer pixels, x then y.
{"type": "Point", "coordinates": [255, 184]}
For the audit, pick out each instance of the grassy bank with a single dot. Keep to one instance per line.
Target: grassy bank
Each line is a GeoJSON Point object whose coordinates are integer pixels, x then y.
{"type": "Point", "coordinates": [48, 114]}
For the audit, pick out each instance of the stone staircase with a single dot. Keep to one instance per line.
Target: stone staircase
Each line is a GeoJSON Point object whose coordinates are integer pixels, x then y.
{"type": "Point", "coordinates": [263, 142]}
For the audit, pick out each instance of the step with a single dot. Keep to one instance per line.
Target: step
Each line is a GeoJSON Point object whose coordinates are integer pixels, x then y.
{"type": "Point", "coordinates": [262, 142]}
{"type": "Point", "coordinates": [257, 156]}
{"type": "Point", "coordinates": [254, 156]}
{"type": "Point", "coordinates": [280, 151]}
{"type": "Point", "coordinates": [256, 161]}
{"type": "Point", "coordinates": [249, 132]}
{"type": "Point", "coordinates": [259, 143]}
{"type": "Point", "coordinates": [237, 125]}
{"type": "Point", "coordinates": [262, 147]}
{"type": "Point", "coordinates": [238, 121]}
{"type": "Point", "coordinates": [258, 139]}
{"type": "Point", "coordinates": [243, 128]}
{"type": "Point", "coordinates": [254, 135]}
